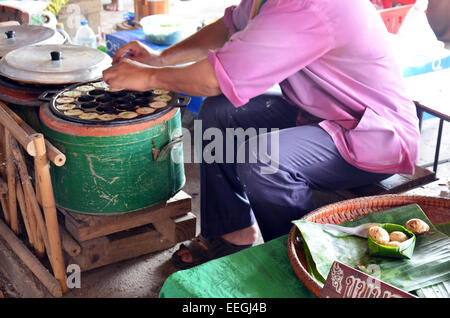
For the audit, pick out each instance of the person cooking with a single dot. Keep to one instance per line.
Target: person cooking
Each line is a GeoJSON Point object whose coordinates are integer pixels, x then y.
{"type": "Point", "coordinates": [342, 120]}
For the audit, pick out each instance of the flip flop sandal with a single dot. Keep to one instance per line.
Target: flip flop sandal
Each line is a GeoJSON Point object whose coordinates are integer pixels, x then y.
{"type": "Point", "coordinates": [205, 249]}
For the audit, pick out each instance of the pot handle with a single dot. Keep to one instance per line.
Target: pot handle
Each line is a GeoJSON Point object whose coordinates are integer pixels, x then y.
{"type": "Point", "coordinates": [165, 151]}
{"type": "Point", "coordinates": [44, 96]}
{"type": "Point", "coordinates": [185, 100]}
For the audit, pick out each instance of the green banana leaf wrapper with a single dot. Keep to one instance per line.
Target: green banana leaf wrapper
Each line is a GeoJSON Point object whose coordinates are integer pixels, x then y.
{"type": "Point", "coordinates": [405, 250]}
{"type": "Point", "coordinates": [428, 265]}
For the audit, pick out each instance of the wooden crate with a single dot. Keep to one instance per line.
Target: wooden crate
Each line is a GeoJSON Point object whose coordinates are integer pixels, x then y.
{"type": "Point", "coordinates": [106, 240]}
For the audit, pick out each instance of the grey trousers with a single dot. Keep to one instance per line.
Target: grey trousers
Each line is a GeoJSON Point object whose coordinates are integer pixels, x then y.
{"type": "Point", "coordinates": [274, 179]}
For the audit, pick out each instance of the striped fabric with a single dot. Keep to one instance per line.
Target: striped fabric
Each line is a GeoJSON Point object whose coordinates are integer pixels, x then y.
{"type": "Point", "coordinates": [257, 4]}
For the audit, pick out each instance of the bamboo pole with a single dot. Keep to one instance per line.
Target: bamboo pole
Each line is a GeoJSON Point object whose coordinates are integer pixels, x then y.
{"type": "Point", "coordinates": [41, 237]}
{"type": "Point", "coordinates": [30, 261]}
{"type": "Point", "coordinates": [53, 153]}
{"type": "Point", "coordinates": [11, 179]}
{"type": "Point", "coordinates": [4, 208]}
{"type": "Point", "coordinates": [38, 241]}
{"type": "Point", "coordinates": [19, 134]}
{"type": "Point", "coordinates": [2, 153]}
{"type": "Point", "coordinates": [3, 191]}
{"type": "Point", "coordinates": [25, 213]}
{"type": "Point", "coordinates": [42, 172]}
{"type": "Point", "coordinates": [3, 186]}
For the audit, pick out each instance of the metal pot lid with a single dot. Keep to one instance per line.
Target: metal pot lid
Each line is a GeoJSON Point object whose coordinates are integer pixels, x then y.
{"type": "Point", "coordinates": [16, 36]}
{"type": "Point", "coordinates": [54, 64]}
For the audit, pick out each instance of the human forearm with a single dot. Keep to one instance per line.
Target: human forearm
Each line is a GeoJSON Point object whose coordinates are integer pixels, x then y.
{"type": "Point", "coordinates": [197, 79]}
{"type": "Point", "coordinates": [196, 47]}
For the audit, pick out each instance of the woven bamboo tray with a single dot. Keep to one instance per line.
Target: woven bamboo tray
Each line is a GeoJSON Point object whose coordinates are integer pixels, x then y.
{"type": "Point", "coordinates": [437, 210]}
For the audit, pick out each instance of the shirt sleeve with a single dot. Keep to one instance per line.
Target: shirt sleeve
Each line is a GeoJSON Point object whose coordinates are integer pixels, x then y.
{"type": "Point", "coordinates": [236, 17]}
{"type": "Point", "coordinates": [282, 39]}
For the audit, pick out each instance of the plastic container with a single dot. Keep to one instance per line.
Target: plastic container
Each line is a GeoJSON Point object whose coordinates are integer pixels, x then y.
{"type": "Point", "coordinates": [391, 3]}
{"type": "Point", "coordinates": [394, 17]}
{"type": "Point", "coordinates": [60, 29]}
{"type": "Point", "coordinates": [386, 4]}
{"type": "Point", "coordinates": [163, 29]}
{"type": "Point", "coordinates": [85, 36]}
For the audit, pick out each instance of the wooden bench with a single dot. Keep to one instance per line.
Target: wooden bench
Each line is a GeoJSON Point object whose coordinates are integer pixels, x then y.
{"type": "Point", "coordinates": [397, 183]}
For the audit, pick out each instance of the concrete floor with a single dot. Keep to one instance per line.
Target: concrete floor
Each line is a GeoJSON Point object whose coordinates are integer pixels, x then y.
{"type": "Point", "coordinates": [144, 276]}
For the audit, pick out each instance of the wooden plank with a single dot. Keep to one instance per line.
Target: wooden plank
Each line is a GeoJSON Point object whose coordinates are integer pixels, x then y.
{"type": "Point", "coordinates": [185, 227]}
{"type": "Point", "coordinates": [129, 244]}
{"type": "Point", "coordinates": [87, 227]}
{"type": "Point", "coordinates": [395, 184]}
{"type": "Point", "coordinates": [28, 258]}
{"type": "Point", "coordinates": [166, 228]}
{"type": "Point", "coordinates": [69, 245]}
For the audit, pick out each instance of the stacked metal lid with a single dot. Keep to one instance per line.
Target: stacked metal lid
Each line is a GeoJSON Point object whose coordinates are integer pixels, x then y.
{"type": "Point", "coordinates": [17, 36]}
{"type": "Point", "coordinates": [36, 55]}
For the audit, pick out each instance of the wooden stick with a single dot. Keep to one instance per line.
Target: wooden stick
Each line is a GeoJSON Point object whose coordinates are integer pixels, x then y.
{"type": "Point", "coordinates": [18, 133]}
{"type": "Point", "coordinates": [3, 186]}
{"type": "Point", "coordinates": [4, 208]}
{"type": "Point", "coordinates": [25, 213]}
{"type": "Point", "coordinates": [42, 171]}
{"type": "Point", "coordinates": [3, 191]}
{"type": "Point", "coordinates": [11, 179]}
{"type": "Point", "coordinates": [53, 153]}
{"type": "Point", "coordinates": [30, 261]}
{"type": "Point", "coordinates": [38, 240]}
{"type": "Point", "coordinates": [41, 239]}
{"type": "Point", "coordinates": [68, 243]}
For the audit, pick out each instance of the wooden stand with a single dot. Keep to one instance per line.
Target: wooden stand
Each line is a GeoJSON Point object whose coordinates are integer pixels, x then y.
{"type": "Point", "coordinates": [109, 239]}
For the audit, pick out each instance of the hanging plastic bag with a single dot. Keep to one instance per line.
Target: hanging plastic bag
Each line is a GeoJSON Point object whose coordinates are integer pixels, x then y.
{"type": "Point", "coordinates": [416, 29]}
{"type": "Point", "coordinates": [416, 46]}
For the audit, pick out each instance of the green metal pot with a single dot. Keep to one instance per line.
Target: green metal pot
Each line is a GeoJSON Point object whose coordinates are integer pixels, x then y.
{"type": "Point", "coordinates": [112, 169]}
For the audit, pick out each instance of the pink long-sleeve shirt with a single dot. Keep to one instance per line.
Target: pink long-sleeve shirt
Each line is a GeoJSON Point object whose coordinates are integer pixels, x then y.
{"type": "Point", "coordinates": [333, 60]}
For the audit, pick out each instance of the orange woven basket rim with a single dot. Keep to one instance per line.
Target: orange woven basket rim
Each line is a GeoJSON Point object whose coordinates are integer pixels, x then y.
{"type": "Point", "coordinates": [353, 208]}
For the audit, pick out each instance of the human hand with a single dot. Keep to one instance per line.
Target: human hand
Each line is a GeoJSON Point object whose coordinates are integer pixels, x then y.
{"type": "Point", "coordinates": [128, 74]}
{"type": "Point", "coordinates": [138, 52]}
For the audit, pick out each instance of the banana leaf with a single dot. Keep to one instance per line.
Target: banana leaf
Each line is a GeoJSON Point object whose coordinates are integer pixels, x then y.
{"type": "Point", "coordinates": [405, 250]}
{"type": "Point", "coordinates": [429, 265]}
{"type": "Point", "coordinates": [444, 228]}
{"type": "Point", "coordinates": [440, 290]}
